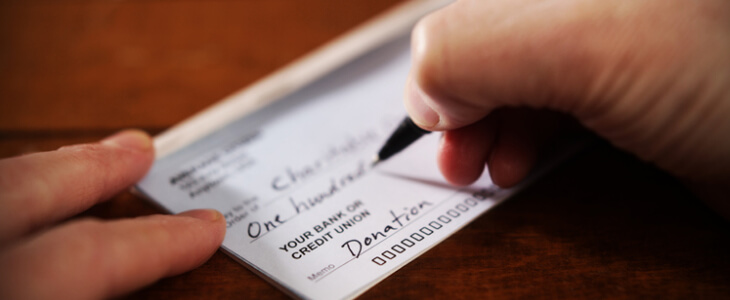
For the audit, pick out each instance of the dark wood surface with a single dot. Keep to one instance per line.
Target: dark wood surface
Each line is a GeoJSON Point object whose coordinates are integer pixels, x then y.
{"type": "Point", "coordinates": [603, 225]}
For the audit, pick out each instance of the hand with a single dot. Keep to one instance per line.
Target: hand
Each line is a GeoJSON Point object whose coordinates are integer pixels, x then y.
{"type": "Point", "coordinates": [90, 259]}
{"type": "Point", "coordinates": [650, 76]}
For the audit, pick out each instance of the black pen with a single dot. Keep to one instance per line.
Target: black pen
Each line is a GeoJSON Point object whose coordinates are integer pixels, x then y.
{"type": "Point", "coordinates": [403, 136]}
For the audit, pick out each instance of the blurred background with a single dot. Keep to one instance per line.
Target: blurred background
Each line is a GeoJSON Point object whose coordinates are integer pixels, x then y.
{"type": "Point", "coordinates": [78, 70]}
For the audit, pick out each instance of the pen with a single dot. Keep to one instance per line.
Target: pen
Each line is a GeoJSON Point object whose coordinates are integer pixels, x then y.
{"type": "Point", "coordinates": [403, 136]}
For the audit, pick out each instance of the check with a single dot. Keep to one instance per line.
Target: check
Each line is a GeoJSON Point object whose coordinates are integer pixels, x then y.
{"type": "Point", "coordinates": [304, 207]}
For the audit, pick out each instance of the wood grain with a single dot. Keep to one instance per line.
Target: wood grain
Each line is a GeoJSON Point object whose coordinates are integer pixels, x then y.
{"type": "Point", "coordinates": [604, 225]}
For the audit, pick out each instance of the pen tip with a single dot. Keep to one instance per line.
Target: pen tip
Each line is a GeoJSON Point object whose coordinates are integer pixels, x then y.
{"type": "Point", "coordinates": [376, 161]}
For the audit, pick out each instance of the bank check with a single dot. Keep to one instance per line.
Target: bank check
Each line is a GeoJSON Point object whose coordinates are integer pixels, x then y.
{"type": "Point", "coordinates": [303, 206]}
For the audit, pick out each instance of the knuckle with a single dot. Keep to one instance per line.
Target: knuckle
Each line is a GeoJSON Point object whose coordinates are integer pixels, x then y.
{"type": "Point", "coordinates": [92, 159]}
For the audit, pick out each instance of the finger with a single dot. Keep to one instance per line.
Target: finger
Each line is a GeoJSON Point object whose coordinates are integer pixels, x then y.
{"type": "Point", "coordinates": [515, 151]}
{"type": "Point", "coordinates": [92, 259]}
{"type": "Point", "coordinates": [508, 141]}
{"type": "Point", "coordinates": [522, 135]}
{"type": "Point", "coordinates": [42, 188]}
{"type": "Point", "coordinates": [463, 152]}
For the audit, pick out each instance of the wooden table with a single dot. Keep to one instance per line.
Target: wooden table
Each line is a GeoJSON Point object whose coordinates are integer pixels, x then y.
{"type": "Point", "coordinates": [602, 225]}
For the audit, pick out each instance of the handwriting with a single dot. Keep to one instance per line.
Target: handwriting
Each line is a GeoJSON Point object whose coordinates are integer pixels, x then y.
{"type": "Point", "coordinates": [294, 175]}
{"type": "Point", "coordinates": [335, 186]}
{"type": "Point", "coordinates": [256, 229]}
{"type": "Point", "coordinates": [355, 246]}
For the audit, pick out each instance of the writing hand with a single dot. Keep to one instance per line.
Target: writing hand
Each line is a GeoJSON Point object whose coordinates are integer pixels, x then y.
{"type": "Point", "coordinates": [652, 77]}
{"type": "Point", "coordinates": [90, 259]}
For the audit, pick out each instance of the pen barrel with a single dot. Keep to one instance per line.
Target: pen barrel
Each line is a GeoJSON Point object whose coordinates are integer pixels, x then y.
{"type": "Point", "coordinates": [406, 133]}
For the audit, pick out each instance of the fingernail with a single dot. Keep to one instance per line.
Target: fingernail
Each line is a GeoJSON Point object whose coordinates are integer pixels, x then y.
{"type": "Point", "coordinates": [130, 139]}
{"type": "Point", "coordinates": [417, 104]}
{"type": "Point", "coordinates": [203, 214]}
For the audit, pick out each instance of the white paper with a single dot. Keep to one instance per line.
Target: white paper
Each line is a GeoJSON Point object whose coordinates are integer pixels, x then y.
{"type": "Point", "coordinates": [304, 208]}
